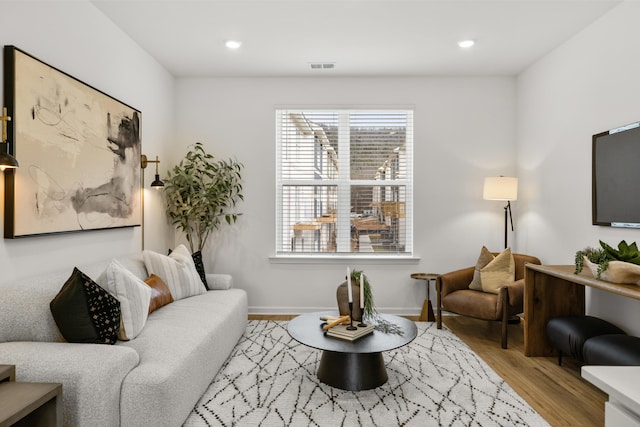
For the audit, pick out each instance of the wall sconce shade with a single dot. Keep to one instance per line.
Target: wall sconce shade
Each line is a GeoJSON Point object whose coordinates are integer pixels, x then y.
{"type": "Point", "coordinates": [157, 183]}
{"type": "Point", "coordinates": [7, 161]}
{"type": "Point", "coordinates": [500, 188]}
{"type": "Point", "coordinates": [144, 161]}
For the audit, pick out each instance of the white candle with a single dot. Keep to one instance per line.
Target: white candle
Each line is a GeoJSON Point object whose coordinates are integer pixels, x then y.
{"type": "Point", "coordinates": [361, 290]}
{"type": "Point", "coordinates": [349, 291]}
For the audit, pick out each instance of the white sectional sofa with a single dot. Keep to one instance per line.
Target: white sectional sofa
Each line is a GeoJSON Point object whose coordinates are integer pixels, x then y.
{"type": "Point", "coordinates": [154, 379]}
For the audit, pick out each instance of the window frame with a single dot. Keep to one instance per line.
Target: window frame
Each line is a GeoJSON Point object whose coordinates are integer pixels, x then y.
{"type": "Point", "coordinates": [344, 182]}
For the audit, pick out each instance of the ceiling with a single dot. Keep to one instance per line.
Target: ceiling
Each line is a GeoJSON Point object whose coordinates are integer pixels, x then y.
{"type": "Point", "coordinates": [361, 37]}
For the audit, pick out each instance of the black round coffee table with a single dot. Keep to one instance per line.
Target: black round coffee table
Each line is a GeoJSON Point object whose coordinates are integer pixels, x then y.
{"type": "Point", "coordinates": [347, 365]}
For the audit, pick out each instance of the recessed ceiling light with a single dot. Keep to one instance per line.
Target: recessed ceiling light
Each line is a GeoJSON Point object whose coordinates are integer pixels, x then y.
{"type": "Point", "coordinates": [466, 43]}
{"type": "Point", "coordinates": [233, 44]}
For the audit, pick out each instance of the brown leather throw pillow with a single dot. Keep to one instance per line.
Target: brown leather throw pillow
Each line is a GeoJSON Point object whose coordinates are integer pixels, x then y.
{"type": "Point", "coordinates": [160, 293]}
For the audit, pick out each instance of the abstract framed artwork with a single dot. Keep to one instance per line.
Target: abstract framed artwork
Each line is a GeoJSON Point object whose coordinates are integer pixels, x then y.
{"type": "Point", "coordinates": [79, 152]}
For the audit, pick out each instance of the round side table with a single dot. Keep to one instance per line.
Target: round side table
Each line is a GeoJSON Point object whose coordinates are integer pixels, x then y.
{"type": "Point", "coordinates": [427, 310]}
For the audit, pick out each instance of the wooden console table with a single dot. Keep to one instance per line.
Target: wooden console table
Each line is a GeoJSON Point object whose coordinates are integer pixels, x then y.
{"type": "Point", "coordinates": [553, 291]}
{"type": "Point", "coordinates": [28, 404]}
{"type": "Point", "coordinates": [7, 373]}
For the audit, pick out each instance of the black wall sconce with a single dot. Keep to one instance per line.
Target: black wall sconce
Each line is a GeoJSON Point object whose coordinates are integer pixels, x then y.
{"type": "Point", "coordinates": [144, 161]}
{"type": "Point", "coordinates": [7, 161]}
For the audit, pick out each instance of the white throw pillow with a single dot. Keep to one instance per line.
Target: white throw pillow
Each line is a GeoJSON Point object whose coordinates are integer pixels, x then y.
{"type": "Point", "coordinates": [134, 296]}
{"type": "Point", "coordinates": [177, 270]}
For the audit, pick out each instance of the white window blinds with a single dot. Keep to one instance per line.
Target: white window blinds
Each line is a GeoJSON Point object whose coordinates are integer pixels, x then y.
{"type": "Point", "coordinates": [344, 181]}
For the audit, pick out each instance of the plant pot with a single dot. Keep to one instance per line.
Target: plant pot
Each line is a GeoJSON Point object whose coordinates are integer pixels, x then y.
{"type": "Point", "coordinates": [342, 295]}
{"type": "Point", "coordinates": [617, 272]}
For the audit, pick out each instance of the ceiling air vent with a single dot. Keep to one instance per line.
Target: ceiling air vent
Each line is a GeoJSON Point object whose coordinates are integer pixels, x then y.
{"type": "Point", "coordinates": [322, 65]}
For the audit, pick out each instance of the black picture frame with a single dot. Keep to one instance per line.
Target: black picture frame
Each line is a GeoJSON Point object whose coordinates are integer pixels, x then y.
{"type": "Point", "coordinates": [78, 148]}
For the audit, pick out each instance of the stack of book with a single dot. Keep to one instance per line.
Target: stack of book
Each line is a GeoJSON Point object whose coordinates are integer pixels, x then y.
{"type": "Point", "coordinates": [341, 331]}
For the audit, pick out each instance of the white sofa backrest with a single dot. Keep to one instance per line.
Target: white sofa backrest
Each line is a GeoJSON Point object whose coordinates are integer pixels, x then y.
{"type": "Point", "coordinates": [24, 303]}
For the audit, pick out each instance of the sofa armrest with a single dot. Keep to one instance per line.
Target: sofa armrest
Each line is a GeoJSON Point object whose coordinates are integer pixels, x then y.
{"type": "Point", "coordinates": [91, 375]}
{"type": "Point", "coordinates": [219, 282]}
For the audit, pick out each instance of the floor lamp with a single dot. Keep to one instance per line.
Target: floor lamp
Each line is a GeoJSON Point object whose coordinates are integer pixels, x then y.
{"type": "Point", "coordinates": [502, 188]}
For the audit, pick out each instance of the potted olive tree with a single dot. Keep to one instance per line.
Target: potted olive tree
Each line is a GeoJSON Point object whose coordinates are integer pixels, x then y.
{"type": "Point", "coordinates": [201, 193]}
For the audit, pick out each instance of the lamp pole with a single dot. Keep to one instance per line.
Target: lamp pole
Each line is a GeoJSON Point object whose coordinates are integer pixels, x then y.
{"type": "Point", "coordinates": [507, 208]}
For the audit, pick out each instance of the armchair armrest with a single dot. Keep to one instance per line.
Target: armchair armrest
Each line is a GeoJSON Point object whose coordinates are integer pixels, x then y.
{"type": "Point", "coordinates": [515, 293]}
{"type": "Point", "coordinates": [448, 283]}
{"type": "Point", "coordinates": [510, 302]}
{"type": "Point", "coordinates": [219, 282]}
{"type": "Point", "coordinates": [456, 280]}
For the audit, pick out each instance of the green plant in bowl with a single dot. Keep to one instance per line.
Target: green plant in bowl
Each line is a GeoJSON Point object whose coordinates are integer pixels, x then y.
{"type": "Point", "coordinates": [605, 253]}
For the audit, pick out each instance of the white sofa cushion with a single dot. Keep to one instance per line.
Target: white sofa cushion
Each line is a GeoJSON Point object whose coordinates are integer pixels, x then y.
{"type": "Point", "coordinates": [181, 348]}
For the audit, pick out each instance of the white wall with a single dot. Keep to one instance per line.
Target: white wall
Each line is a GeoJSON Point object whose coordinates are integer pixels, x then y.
{"type": "Point", "coordinates": [464, 131]}
{"type": "Point", "coordinates": [588, 85]}
{"type": "Point", "coordinates": [78, 39]}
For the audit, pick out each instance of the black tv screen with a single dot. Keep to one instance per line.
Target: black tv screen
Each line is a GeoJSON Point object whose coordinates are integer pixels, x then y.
{"type": "Point", "coordinates": [616, 177]}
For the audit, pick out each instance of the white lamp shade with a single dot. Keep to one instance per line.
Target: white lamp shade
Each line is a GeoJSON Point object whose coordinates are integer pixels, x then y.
{"type": "Point", "coordinates": [500, 188]}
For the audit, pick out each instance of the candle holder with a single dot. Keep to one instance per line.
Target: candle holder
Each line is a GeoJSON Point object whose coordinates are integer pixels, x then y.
{"type": "Point", "coordinates": [351, 327]}
{"type": "Point", "coordinates": [361, 324]}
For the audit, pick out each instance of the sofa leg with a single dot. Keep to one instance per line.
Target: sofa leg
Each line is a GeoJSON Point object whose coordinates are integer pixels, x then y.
{"type": "Point", "coordinates": [559, 358]}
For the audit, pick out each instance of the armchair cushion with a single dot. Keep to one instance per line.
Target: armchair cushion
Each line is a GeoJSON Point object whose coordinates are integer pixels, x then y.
{"type": "Point", "coordinates": [493, 272]}
{"type": "Point", "coordinates": [481, 305]}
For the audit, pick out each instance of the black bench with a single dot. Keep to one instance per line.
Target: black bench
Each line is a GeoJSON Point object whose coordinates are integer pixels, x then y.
{"type": "Point", "coordinates": [616, 350]}
{"type": "Point", "coordinates": [568, 334]}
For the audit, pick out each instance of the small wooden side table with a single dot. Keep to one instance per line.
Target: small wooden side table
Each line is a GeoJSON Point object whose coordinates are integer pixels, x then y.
{"type": "Point", "coordinates": [28, 404]}
{"type": "Point", "coordinates": [427, 310]}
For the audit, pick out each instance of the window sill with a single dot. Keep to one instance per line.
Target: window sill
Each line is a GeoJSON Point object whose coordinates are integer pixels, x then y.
{"type": "Point", "coordinates": [342, 258]}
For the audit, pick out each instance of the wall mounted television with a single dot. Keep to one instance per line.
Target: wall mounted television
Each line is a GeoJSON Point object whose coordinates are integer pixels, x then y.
{"type": "Point", "coordinates": [616, 177]}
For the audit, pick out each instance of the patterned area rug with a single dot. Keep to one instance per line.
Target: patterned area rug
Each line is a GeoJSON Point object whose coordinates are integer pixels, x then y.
{"type": "Point", "coordinates": [437, 380]}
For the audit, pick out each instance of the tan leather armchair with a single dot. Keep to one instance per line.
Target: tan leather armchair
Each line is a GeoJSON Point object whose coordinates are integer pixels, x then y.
{"type": "Point", "coordinates": [455, 296]}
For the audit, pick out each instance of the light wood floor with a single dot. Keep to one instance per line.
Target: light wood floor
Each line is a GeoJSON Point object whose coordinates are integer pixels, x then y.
{"type": "Point", "coordinates": [557, 393]}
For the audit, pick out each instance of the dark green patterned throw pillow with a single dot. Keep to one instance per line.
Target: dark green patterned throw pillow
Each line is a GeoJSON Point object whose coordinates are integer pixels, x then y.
{"type": "Point", "coordinates": [85, 312]}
